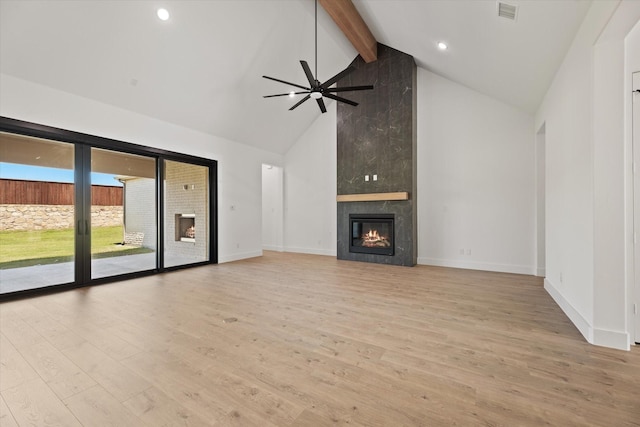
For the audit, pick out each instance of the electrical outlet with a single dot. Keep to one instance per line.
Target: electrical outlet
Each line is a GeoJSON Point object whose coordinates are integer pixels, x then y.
{"type": "Point", "coordinates": [375, 177]}
{"type": "Point", "coordinates": [366, 178]}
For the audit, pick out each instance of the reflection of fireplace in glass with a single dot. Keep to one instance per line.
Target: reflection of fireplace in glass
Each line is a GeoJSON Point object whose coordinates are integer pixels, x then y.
{"type": "Point", "coordinates": [371, 234]}
{"type": "Point", "coordinates": [185, 227]}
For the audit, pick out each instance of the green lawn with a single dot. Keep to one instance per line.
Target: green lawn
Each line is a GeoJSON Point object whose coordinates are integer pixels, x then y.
{"type": "Point", "coordinates": [26, 248]}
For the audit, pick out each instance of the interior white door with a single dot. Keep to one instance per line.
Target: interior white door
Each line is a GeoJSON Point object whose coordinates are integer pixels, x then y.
{"type": "Point", "coordinates": [636, 198]}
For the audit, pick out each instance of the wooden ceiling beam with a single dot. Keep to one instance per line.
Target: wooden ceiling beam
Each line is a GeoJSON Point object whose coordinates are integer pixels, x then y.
{"type": "Point", "coordinates": [345, 14]}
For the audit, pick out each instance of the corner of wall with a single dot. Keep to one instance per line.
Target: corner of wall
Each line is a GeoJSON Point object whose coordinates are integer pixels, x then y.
{"type": "Point", "coordinates": [583, 326]}
{"type": "Point", "coordinates": [612, 339]}
{"type": "Point", "coordinates": [620, 340]}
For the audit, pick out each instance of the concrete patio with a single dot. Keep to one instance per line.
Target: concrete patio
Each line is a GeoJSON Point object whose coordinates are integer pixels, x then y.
{"type": "Point", "coordinates": [39, 276]}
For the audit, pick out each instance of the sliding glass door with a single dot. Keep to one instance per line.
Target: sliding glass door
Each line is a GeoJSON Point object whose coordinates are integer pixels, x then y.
{"type": "Point", "coordinates": [76, 209]}
{"type": "Point", "coordinates": [186, 213]}
{"type": "Point", "coordinates": [123, 213]}
{"type": "Point", "coordinates": [37, 213]}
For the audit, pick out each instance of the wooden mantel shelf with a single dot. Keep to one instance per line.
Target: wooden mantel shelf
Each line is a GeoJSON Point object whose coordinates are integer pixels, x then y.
{"type": "Point", "coordinates": [373, 197]}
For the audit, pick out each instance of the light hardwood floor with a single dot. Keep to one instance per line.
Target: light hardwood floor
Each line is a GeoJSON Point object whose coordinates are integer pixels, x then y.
{"type": "Point", "coordinates": [304, 340]}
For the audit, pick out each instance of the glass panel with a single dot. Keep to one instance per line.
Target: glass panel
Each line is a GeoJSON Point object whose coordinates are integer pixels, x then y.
{"type": "Point", "coordinates": [123, 213]}
{"type": "Point", "coordinates": [37, 216]}
{"type": "Point", "coordinates": [186, 213]}
{"type": "Point", "coordinates": [372, 234]}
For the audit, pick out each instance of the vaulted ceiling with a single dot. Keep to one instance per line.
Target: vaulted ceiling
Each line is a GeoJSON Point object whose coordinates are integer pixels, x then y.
{"type": "Point", "coordinates": [202, 68]}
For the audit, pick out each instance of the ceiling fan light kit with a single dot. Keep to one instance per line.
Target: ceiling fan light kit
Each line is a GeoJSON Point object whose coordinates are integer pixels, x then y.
{"type": "Point", "coordinates": [317, 90]}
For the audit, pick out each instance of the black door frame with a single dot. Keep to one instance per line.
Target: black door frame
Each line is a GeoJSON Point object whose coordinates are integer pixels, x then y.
{"type": "Point", "coordinates": [83, 143]}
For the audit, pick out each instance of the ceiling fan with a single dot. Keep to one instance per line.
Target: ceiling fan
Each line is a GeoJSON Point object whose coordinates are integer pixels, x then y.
{"type": "Point", "coordinates": [319, 90]}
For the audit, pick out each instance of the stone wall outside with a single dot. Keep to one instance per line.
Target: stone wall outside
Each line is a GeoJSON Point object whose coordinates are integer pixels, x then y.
{"type": "Point", "coordinates": [53, 217]}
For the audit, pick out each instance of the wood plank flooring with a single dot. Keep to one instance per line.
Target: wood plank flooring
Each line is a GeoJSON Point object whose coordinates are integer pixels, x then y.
{"type": "Point", "coordinates": [317, 342]}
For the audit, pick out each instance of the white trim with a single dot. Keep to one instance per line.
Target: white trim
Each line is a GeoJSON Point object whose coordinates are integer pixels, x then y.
{"type": "Point", "coordinates": [473, 265]}
{"type": "Point", "coordinates": [541, 272]}
{"type": "Point", "coordinates": [612, 339]}
{"type": "Point", "coordinates": [272, 248]}
{"type": "Point", "coordinates": [311, 251]}
{"type": "Point", "coordinates": [576, 318]}
{"type": "Point", "coordinates": [239, 256]}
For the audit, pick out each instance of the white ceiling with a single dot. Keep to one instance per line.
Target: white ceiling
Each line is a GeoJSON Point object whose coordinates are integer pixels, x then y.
{"type": "Point", "coordinates": [202, 69]}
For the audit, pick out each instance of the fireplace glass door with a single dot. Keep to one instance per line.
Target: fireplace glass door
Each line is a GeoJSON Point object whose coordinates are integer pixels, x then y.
{"type": "Point", "coordinates": [372, 234]}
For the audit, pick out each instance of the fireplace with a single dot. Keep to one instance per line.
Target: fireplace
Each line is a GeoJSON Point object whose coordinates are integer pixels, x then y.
{"type": "Point", "coordinates": [185, 228]}
{"type": "Point", "coordinates": [376, 162]}
{"type": "Point", "coordinates": [371, 234]}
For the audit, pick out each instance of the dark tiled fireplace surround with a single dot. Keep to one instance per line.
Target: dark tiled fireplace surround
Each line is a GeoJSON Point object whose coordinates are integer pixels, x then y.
{"type": "Point", "coordinates": [378, 137]}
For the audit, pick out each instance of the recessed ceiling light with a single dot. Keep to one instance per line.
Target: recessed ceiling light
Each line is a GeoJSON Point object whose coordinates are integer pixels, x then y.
{"type": "Point", "coordinates": [163, 14]}
{"type": "Point", "coordinates": [442, 46]}
{"type": "Point", "coordinates": [291, 94]}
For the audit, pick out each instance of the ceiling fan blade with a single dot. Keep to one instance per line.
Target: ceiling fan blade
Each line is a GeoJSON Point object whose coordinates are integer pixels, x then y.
{"type": "Point", "coordinates": [307, 72]}
{"type": "Point", "coordinates": [287, 83]}
{"type": "Point", "coordinates": [284, 94]}
{"type": "Point", "coordinates": [337, 77]}
{"type": "Point", "coordinates": [337, 98]}
{"type": "Point", "coordinates": [300, 102]}
{"type": "Point", "coordinates": [321, 105]}
{"type": "Point", "coordinates": [348, 89]}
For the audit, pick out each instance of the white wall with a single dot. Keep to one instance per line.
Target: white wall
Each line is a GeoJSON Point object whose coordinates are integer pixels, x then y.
{"type": "Point", "coordinates": [310, 189]}
{"type": "Point", "coordinates": [139, 194]}
{"type": "Point", "coordinates": [476, 179]}
{"type": "Point", "coordinates": [541, 198]}
{"type": "Point", "coordinates": [587, 234]}
{"type": "Point", "coordinates": [476, 159]}
{"type": "Point", "coordinates": [272, 208]}
{"type": "Point", "coordinates": [566, 112]}
{"type": "Point", "coordinates": [239, 166]}
{"type": "Point", "coordinates": [632, 65]}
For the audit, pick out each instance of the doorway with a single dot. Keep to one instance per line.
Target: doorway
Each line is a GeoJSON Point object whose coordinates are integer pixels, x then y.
{"type": "Point", "coordinates": [272, 208]}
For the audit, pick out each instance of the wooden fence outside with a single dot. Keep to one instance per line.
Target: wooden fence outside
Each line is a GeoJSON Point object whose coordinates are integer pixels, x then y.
{"type": "Point", "coordinates": [22, 192]}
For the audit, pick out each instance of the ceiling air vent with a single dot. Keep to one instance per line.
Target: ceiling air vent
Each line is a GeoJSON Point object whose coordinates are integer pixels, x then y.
{"type": "Point", "coordinates": [507, 11]}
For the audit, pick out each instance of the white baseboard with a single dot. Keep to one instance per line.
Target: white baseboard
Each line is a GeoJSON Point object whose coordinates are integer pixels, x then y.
{"type": "Point", "coordinates": [602, 337]}
{"type": "Point", "coordinates": [473, 265]}
{"type": "Point", "coordinates": [312, 251]}
{"type": "Point", "coordinates": [239, 256]}
{"type": "Point", "coordinates": [574, 315]}
{"type": "Point", "coordinates": [272, 248]}
{"type": "Point", "coordinates": [612, 339]}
